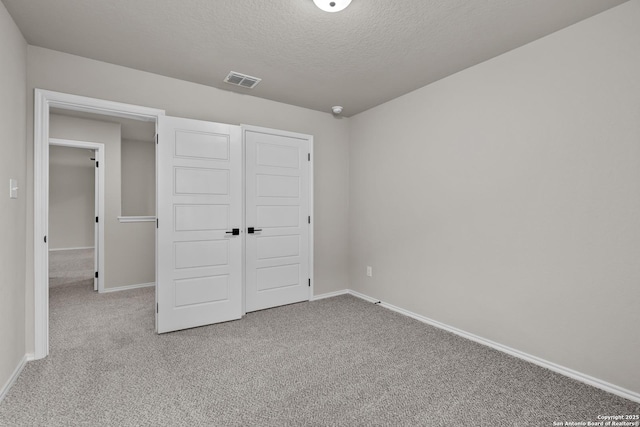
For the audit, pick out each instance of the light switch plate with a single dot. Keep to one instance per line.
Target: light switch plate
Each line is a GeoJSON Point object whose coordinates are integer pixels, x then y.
{"type": "Point", "coordinates": [13, 188]}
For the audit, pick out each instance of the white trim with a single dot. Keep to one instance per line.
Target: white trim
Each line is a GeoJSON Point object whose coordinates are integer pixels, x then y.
{"type": "Point", "coordinates": [155, 235]}
{"type": "Point", "coordinates": [71, 249]}
{"type": "Point", "coordinates": [66, 101]}
{"type": "Point", "coordinates": [313, 218]}
{"type": "Point", "coordinates": [43, 101]}
{"type": "Point", "coordinates": [99, 198]}
{"type": "Point", "coordinates": [329, 295]}
{"type": "Point", "coordinates": [243, 223]}
{"type": "Point", "coordinates": [13, 377]}
{"type": "Point", "coordinates": [127, 287]}
{"type": "Point", "coordinates": [40, 226]}
{"type": "Point", "coordinates": [125, 219]}
{"type": "Point", "coordinates": [74, 143]}
{"type": "Point", "coordinates": [579, 376]}
{"type": "Point", "coordinates": [362, 296]}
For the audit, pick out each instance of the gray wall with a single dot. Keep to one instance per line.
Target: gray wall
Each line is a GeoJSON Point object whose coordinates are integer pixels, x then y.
{"type": "Point", "coordinates": [13, 116]}
{"type": "Point", "coordinates": [71, 198]}
{"type": "Point", "coordinates": [129, 248]}
{"type": "Point", "coordinates": [61, 72]}
{"type": "Point", "coordinates": [138, 178]}
{"type": "Point", "coordinates": [505, 200]}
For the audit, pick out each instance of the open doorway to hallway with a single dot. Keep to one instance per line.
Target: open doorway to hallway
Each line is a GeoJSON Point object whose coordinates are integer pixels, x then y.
{"type": "Point", "coordinates": [74, 107]}
{"type": "Point", "coordinates": [74, 205]}
{"type": "Point", "coordinates": [101, 200]}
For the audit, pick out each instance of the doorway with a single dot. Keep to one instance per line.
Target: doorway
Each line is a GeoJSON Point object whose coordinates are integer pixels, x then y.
{"type": "Point", "coordinates": [76, 204]}
{"type": "Point", "coordinates": [43, 103]}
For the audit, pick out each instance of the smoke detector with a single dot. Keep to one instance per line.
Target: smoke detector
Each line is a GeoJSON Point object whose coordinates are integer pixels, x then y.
{"type": "Point", "coordinates": [242, 80]}
{"type": "Point", "coordinates": [332, 5]}
{"type": "Point", "coordinates": [337, 110]}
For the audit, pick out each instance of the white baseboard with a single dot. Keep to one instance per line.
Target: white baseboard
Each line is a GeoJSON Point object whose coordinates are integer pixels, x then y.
{"type": "Point", "coordinates": [329, 295]}
{"type": "Point", "coordinates": [127, 287]}
{"type": "Point", "coordinates": [70, 249]}
{"type": "Point", "coordinates": [14, 376]}
{"type": "Point", "coordinates": [362, 296]}
{"type": "Point", "coordinates": [579, 376]}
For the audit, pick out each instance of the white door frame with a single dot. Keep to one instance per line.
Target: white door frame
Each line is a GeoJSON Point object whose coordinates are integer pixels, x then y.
{"type": "Point", "coordinates": [43, 101]}
{"type": "Point", "coordinates": [99, 197]}
{"type": "Point", "coordinates": [244, 129]}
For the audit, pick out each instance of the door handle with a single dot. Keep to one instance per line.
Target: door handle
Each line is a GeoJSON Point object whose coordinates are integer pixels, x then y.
{"type": "Point", "coordinates": [234, 232]}
{"type": "Point", "coordinates": [251, 230]}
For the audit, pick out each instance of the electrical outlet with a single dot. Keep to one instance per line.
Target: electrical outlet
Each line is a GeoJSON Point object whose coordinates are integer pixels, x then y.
{"type": "Point", "coordinates": [369, 271]}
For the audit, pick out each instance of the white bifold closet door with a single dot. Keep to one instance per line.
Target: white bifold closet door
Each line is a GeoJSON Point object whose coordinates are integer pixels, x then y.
{"type": "Point", "coordinates": [277, 218]}
{"type": "Point", "coordinates": [199, 210]}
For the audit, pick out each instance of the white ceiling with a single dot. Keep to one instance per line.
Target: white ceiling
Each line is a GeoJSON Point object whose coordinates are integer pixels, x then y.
{"type": "Point", "coordinates": [373, 51]}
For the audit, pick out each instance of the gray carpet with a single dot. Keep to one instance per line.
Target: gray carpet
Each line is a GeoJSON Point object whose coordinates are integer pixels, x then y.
{"type": "Point", "coordinates": [339, 361]}
{"type": "Point", "coordinates": [71, 267]}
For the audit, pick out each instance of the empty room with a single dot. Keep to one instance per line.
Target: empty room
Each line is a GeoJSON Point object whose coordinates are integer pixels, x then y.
{"type": "Point", "coordinates": [316, 212]}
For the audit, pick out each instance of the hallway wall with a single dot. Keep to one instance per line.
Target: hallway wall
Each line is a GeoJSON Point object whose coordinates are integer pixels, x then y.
{"type": "Point", "coordinates": [71, 198]}
{"type": "Point", "coordinates": [129, 247]}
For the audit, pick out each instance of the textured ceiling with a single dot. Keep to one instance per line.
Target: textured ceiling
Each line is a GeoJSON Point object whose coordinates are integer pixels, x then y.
{"type": "Point", "coordinates": [373, 51]}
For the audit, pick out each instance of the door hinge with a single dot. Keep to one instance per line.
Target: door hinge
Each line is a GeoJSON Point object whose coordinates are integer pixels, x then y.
{"type": "Point", "coordinates": [157, 139]}
{"type": "Point", "coordinates": [96, 275]}
{"type": "Point", "coordinates": [309, 156]}
{"type": "Point", "coordinates": [96, 219]}
{"type": "Point", "coordinates": [157, 223]}
{"type": "Point", "coordinates": [309, 282]}
{"type": "Point", "coordinates": [97, 164]}
{"type": "Point", "coordinates": [157, 308]}
{"type": "Point", "coordinates": [45, 239]}
{"type": "Point", "coordinates": [309, 219]}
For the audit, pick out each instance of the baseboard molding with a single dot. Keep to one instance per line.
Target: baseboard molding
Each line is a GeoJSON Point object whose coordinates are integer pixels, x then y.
{"type": "Point", "coordinates": [14, 376]}
{"type": "Point", "coordinates": [70, 249]}
{"type": "Point", "coordinates": [578, 376]}
{"type": "Point", "coordinates": [127, 287]}
{"type": "Point", "coordinates": [329, 295]}
{"type": "Point", "coordinates": [363, 296]}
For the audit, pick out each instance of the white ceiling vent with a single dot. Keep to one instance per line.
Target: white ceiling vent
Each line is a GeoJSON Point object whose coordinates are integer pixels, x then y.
{"type": "Point", "coordinates": [243, 80]}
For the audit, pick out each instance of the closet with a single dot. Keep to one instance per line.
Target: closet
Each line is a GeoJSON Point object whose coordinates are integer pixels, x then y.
{"type": "Point", "coordinates": [234, 230]}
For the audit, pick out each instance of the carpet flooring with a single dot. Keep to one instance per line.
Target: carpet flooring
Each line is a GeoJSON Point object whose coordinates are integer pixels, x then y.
{"type": "Point", "coordinates": [71, 267]}
{"type": "Point", "coordinates": [339, 361]}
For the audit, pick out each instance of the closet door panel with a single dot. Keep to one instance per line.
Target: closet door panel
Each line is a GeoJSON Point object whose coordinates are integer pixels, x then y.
{"type": "Point", "coordinates": [277, 218]}
{"type": "Point", "coordinates": [199, 196]}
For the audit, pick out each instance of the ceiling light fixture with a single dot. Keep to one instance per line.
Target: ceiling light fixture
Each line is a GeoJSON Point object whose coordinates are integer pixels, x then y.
{"type": "Point", "coordinates": [332, 5]}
